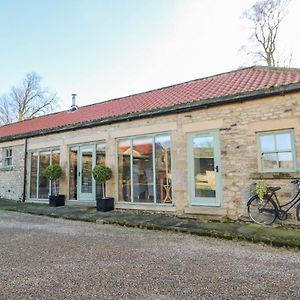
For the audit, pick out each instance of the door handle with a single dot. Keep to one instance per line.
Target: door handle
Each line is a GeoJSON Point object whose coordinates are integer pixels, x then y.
{"type": "Point", "coordinates": [79, 173]}
{"type": "Point", "coordinates": [217, 169]}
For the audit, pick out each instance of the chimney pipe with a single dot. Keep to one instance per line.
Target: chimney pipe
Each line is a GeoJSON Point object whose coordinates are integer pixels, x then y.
{"type": "Point", "coordinates": [74, 106]}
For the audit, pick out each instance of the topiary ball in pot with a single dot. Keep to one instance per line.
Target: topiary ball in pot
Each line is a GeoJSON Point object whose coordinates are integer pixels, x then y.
{"type": "Point", "coordinates": [101, 174]}
{"type": "Point", "coordinates": [53, 173]}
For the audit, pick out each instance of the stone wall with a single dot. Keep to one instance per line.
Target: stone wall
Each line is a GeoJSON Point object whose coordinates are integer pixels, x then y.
{"type": "Point", "coordinates": [237, 125]}
{"type": "Point", "coordinates": [12, 178]}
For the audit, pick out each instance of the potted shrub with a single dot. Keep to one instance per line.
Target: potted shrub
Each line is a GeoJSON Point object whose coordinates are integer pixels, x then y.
{"type": "Point", "coordinates": [101, 174]}
{"type": "Point", "coordinates": [53, 173]}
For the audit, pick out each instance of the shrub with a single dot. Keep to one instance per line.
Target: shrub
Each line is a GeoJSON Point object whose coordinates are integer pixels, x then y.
{"type": "Point", "coordinates": [102, 173]}
{"type": "Point", "coordinates": [53, 172]}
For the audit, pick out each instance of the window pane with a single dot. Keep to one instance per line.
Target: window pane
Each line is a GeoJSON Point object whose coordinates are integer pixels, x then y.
{"type": "Point", "coordinates": [100, 159]}
{"type": "Point", "coordinates": [269, 161]}
{"type": "Point", "coordinates": [8, 152]}
{"type": "Point", "coordinates": [33, 175]}
{"type": "Point", "coordinates": [285, 160]}
{"type": "Point", "coordinates": [267, 143]}
{"type": "Point", "coordinates": [163, 169]}
{"type": "Point", "coordinates": [43, 191]}
{"type": "Point", "coordinates": [86, 171]}
{"type": "Point", "coordinates": [7, 157]}
{"type": "Point", "coordinates": [55, 161]}
{"type": "Point", "coordinates": [283, 141]}
{"type": "Point", "coordinates": [55, 157]}
{"type": "Point", "coordinates": [8, 161]}
{"type": "Point", "coordinates": [205, 182]}
{"type": "Point", "coordinates": [124, 171]}
{"type": "Point", "coordinates": [100, 154]}
{"type": "Point", "coordinates": [142, 153]}
{"type": "Point", "coordinates": [73, 174]}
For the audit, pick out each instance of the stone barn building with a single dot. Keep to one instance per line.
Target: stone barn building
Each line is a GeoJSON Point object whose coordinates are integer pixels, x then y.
{"type": "Point", "coordinates": [189, 149]}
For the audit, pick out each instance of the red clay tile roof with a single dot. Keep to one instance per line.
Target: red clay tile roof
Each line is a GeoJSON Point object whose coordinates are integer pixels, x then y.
{"type": "Point", "coordinates": [227, 84]}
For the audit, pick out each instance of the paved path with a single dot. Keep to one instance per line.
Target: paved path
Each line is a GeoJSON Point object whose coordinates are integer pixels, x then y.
{"type": "Point", "coordinates": [43, 258]}
{"type": "Point", "coordinates": [270, 235]}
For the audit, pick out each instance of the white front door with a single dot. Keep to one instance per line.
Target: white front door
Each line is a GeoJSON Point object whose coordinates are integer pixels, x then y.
{"type": "Point", "coordinates": [205, 169]}
{"type": "Point", "coordinates": [86, 183]}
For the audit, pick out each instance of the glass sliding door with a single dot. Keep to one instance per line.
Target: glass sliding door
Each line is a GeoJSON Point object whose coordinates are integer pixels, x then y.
{"type": "Point", "coordinates": [73, 171]}
{"type": "Point", "coordinates": [205, 179]}
{"type": "Point", "coordinates": [34, 159]}
{"type": "Point", "coordinates": [55, 160]}
{"type": "Point", "coordinates": [44, 162]}
{"type": "Point", "coordinates": [144, 169]}
{"type": "Point", "coordinates": [124, 170]}
{"type": "Point", "coordinates": [100, 159]}
{"type": "Point", "coordinates": [163, 169]}
{"type": "Point", "coordinates": [40, 187]}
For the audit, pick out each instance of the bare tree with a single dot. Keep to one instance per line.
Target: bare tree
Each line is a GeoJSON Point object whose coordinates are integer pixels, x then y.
{"type": "Point", "coordinates": [266, 17]}
{"type": "Point", "coordinates": [26, 101]}
{"type": "Point", "coordinates": [5, 111]}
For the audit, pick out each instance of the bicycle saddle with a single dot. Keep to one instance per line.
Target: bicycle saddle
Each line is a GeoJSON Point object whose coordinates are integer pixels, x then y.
{"type": "Point", "coordinates": [274, 188]}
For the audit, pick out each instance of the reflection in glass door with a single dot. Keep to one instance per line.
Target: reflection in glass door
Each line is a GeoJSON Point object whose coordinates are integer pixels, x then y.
{"type": "Point", "coordinates": [204, 169]}
{"type": "Point", "coordinates": [85, 176]}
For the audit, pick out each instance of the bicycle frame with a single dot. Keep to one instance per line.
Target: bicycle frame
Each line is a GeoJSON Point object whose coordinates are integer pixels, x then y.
{"type": "Point", "coordinates": [292, 202]}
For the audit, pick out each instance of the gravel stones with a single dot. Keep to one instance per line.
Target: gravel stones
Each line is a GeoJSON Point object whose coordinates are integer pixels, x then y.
{"type": "Point", "coordinates": [43, 258]}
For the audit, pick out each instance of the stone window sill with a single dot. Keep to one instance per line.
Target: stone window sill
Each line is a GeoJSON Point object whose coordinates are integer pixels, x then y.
{"type": "Point", "coordinates": [275, 175]}
{"type": "Point", "coordinates": [8, 168]}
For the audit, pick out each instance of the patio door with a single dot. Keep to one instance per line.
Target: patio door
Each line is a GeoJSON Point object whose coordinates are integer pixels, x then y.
{"type": "Point", "coordinates": [204, 169]}
{"type": "Point", "coordinates": [86, 183]}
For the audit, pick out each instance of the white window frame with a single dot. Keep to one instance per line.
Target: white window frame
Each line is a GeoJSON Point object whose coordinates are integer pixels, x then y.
{"type": "Point", "coordinates": [51, 150]}
{"type": "Point", "coordinates": [7, 158]}
{"type": "Point", "coordinates": [130, 139]}
{"type": "Point", "coordinates": [293, 150]}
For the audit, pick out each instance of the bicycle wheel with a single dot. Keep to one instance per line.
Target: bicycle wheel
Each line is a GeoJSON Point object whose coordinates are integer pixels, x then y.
{"type": "Point", "coordinates": [262, 212]}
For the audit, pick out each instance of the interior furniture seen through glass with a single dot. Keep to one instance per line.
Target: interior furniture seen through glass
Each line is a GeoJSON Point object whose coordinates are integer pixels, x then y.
{"type": "Point", "coordinates": [144, 169]}
{"type": "Point", "coordinates": [124, 170]}
{"type": "Point", "coordinates": [204, 174]}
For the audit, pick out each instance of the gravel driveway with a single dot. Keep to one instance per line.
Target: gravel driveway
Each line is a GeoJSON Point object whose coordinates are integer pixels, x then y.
{"type": "Point", "coordinates": [44, 258]}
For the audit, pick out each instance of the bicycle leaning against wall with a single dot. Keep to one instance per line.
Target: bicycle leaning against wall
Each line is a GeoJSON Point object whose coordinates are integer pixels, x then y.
{"type": "Point", "coordinates": [265, 211]}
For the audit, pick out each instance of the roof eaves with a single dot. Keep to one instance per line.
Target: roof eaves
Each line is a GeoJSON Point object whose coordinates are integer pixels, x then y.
{"type": "Point", "coordinates": [200, 104]}
{"type": "Point", "coordinates": [280, 69]}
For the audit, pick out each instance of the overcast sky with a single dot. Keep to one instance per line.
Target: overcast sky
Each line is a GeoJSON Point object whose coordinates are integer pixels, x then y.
{"type": "Point", "coordinates": [102, 49]}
